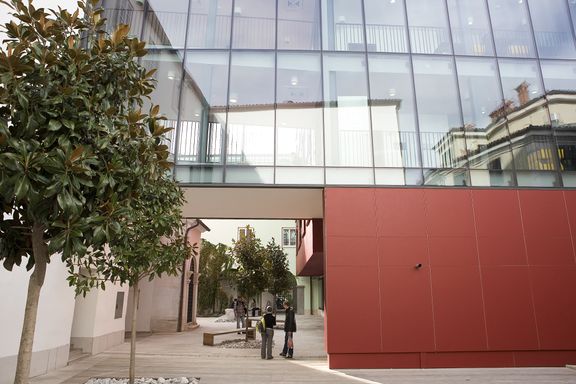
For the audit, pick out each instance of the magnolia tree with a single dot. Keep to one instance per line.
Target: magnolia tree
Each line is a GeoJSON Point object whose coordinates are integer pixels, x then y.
{"type": "Point", "coordinates": [77, 154]}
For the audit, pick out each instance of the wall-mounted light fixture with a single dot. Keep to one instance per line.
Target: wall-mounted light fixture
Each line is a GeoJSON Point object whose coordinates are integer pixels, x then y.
{"type": "Point", "coordinates": [418, 266]}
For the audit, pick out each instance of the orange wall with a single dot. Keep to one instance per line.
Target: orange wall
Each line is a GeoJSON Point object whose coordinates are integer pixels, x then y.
{"type": "Point", "coordinates": [497, 286]}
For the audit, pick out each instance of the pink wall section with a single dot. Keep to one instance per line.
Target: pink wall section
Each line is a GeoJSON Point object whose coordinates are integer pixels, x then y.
{"type": "Point", "coordinates": [497, 286]}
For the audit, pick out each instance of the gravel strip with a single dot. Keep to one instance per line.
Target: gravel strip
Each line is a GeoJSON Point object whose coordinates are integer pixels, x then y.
{"type": "Point", "coordinates": [144, 380]}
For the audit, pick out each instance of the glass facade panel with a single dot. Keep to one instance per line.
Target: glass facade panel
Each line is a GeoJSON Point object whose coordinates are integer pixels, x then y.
{"type": "Point", "coordinates": [203, 115]}
{"type": "Point", "coordinates": [551, 22]}
{"type": "Point", "coordinates": [470, 27]}
{"type": "Point", "coordinates": [299, 24]}
{"type": "Point", "coordinates": [485, 133]}
{"type": "Point", "coordinates": [255, 102]}
{"type": "Point", "coordinates": [385, 26]}
{"type": "Point", "coordinates": [165, 23]}
{"type": "Point", "coordinates": [251, 109]}
{"type": "Point", "coordinates": [346, 116]}
{"type": "Point", "coordinates": [393, 114]}
{"type": "Point", "coordinates": [342, 25]}
{"type": "Point", "coordinates": [428, 26]}
{"type": "Point", "coordinates": [438, 111]}
{"type": "Point", "coordinates": [168, 65]}
{"type": "Point", "coordinates": [254, 24]}
{"type": "Point", "coordinates": [511, 28]}
{"type": "Point", "coordinates": [209, 24]}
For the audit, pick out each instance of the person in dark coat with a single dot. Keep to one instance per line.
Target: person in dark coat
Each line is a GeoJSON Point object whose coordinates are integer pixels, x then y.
{"type": "Point", "coordinates": [289, 329]}
{"type": "Point", "coordinates": [268, 334]}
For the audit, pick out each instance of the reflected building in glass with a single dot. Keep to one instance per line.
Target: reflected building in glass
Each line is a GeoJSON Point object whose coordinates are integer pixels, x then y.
{"type": "Point", "coordinates": [442, 133]}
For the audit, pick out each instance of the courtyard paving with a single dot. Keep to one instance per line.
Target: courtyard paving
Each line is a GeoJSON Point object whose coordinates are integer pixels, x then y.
{"type": "Point", "coordinates": [182, 354]}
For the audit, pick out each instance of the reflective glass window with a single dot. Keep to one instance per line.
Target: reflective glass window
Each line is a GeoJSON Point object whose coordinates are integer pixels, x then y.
{"type": "Point", "coordinates": [393, 114]}
{"type": "Point", "coordinates": [119, 12]}
{"type": "Point", "coordinates": [209, 24]}
{"type": "Point", "coordinates": [251, 109]}
{"type": "Point", "coordinates": [470, 27]}
{"type": "Point", "coordinates": [511, 27]}
{"type": "Point", "coordinates": [254, 24]}
{"type": "Point", "coordinates": [552, 30]}
{"type": "Point", "coordinates": [485, 132]}
{"type": "Point", "coordinates": [168, 65]}
{"type": "Point", "coordinates": [438, 112]}
{"type": "Point", "coordinates": [428, 26]}
{"type": "Point", "coordinates": [299, 24]}
{"type": "Point", "coordinates": [299, 139]}
{"type": "Point", "coordinates": [203, 114]}
{"type": "Point", "coordinates": [165, 23]}
{"type": "Point", "coordinates": [560, 81]}
{"type": "Point", "coordinates": [342, 25]}
{"type": "Point", "coordinates": [521, 81]}
{"type": "Point", "coordinates": [385, 26]}
{"type": "Point", "coordinates": [346, 117]}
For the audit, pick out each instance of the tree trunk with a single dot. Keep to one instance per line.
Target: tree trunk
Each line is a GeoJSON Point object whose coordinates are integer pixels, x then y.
{"type": "Point", "coordinates": [40, 254]}
{"type": "Point", "coordinates": [132, 370]}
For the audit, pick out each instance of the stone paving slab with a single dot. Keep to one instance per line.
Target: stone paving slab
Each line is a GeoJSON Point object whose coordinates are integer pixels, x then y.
{"type": "Point", "coordinates": [182, 354]}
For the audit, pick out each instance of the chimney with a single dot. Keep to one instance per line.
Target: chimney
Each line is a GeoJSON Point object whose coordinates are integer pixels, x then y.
{"type": "Point", "coordinates": [522, 90]}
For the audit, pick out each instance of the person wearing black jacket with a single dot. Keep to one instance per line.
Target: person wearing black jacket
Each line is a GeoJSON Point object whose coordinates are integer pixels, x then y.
{"type": "Point", "coordinates": [289, 329]}
{"type": "Point", "coordinates": [268, 334]}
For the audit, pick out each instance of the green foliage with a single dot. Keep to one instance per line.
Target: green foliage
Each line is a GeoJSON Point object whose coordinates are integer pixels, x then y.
{"type": "Point", "coordinates": [252, 276]}
{"type": "Point", "coordinates": [215, 269]}
{"type": "Point", "coordinates": [75, 147]}
{"type": "Point", "coordinates": [281, 279]}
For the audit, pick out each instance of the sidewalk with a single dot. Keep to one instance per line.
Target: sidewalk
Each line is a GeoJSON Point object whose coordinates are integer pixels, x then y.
{"type": "Point", "coordinates": [182, 354]}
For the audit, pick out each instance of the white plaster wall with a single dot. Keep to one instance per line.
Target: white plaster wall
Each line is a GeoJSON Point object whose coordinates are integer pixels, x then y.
{"type": "Point", "coordinates": [145, 306]}
{"type": "Point", "coordinates": [55, 309]}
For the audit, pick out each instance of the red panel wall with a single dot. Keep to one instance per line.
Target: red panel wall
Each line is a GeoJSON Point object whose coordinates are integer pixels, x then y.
{"type": "Point", "coordinates": [497, 285]}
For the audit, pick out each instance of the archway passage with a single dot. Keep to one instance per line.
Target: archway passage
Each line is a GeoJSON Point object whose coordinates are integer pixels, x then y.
{"type": "Point", "coordinates": [190, 304]}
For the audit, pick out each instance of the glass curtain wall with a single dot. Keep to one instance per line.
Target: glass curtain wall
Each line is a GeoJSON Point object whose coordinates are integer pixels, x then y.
{"type": "Point", "coordinates": [364, 92]}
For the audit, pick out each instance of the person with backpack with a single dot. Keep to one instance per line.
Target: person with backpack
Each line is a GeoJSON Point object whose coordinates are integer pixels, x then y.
{"type": "Point", "coordinates": [268, 334]}
{"type": "Point", "coordinates": [289, 329]}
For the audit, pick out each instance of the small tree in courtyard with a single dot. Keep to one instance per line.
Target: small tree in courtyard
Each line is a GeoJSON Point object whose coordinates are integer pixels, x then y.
{"type": "Point", "coordinates": [281, 279]}
{"type": "Point", "coordinates": [74, 147]}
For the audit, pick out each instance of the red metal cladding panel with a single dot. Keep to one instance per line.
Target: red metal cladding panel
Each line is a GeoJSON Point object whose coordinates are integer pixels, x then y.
{"type": "Point", "coordinates": [400, 212]}
{"type": "Point", "coordinates": [405, 251]}
{"type": "Point", "coordinates": [449, 212]}
{"type": "Point", "coordinates": [502, 250]}
{"type": "Point", "coordinates": [458, 309]}
{"type": "Point", "coordinates": [544, 358]}
{"type": "Point", "coordinates": [353, 305]}
{"type": "Point", "coordinates": [468, 360]}
{"type": "Point", "coordinates": [549, 250]}
{"type": "Point", "coordinates": [544, 213]}
{"type": "Point", "coordinates": [570, 198]}
{"type": "Point", "coordinates": [509, 308]}
{"type": "Point", "coordinates": [497, 213]}
{"type": "Point", "coordinates": [350, 212]}
{"type": "Point", "coordinates": [450, 251]}
{"type": "Point", "coordinates": [555, 304]}
{"type": "Point", "coordinates": [353, 251]}
{"type": "Point", "coordinates": [373, 360]}
{"type": "Point", "coordinates": [407, 321]}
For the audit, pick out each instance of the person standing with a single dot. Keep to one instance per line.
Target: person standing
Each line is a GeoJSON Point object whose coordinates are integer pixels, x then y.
{"type": "Point", "coordinates": [289, 329]}
{"type": "Point", "coordinates": [239, 312]}
{"type": "Point", "coordinates": [268, 334]}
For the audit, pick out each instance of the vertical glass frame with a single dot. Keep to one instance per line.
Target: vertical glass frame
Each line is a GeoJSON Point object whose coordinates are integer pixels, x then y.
{"type": "Point", "coordinates": [251, 113]}
{"type": "Point", "coordinates": [552, 29]}
{"type": "Point", "coordinates": [209, 24]}
{"type": "Point", "coordinates": [254, 25]}
{"type": "Point", "coordinates": [165, 24]}
{"type": "Point", "coordinates": [299, 114]}
{"type": "Point", "coordinates": [439, 116]}
{"type": "Point", "coordinates": [428, 27]}
{"type": "Point", "coordinates": [299, 25]}
{"type": "Point", "coordinates": [511, 28]}
{"type": "Point", "coordinates": [346, 114]}
{"type": "Point", "coordinates": [393, 111]}
{"type": "Point", "coordinates": [342, 25]}
{"type": "Point", "coordinates": [386, 26]}
{"type": "Point", "coordinates": [470, 27]}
